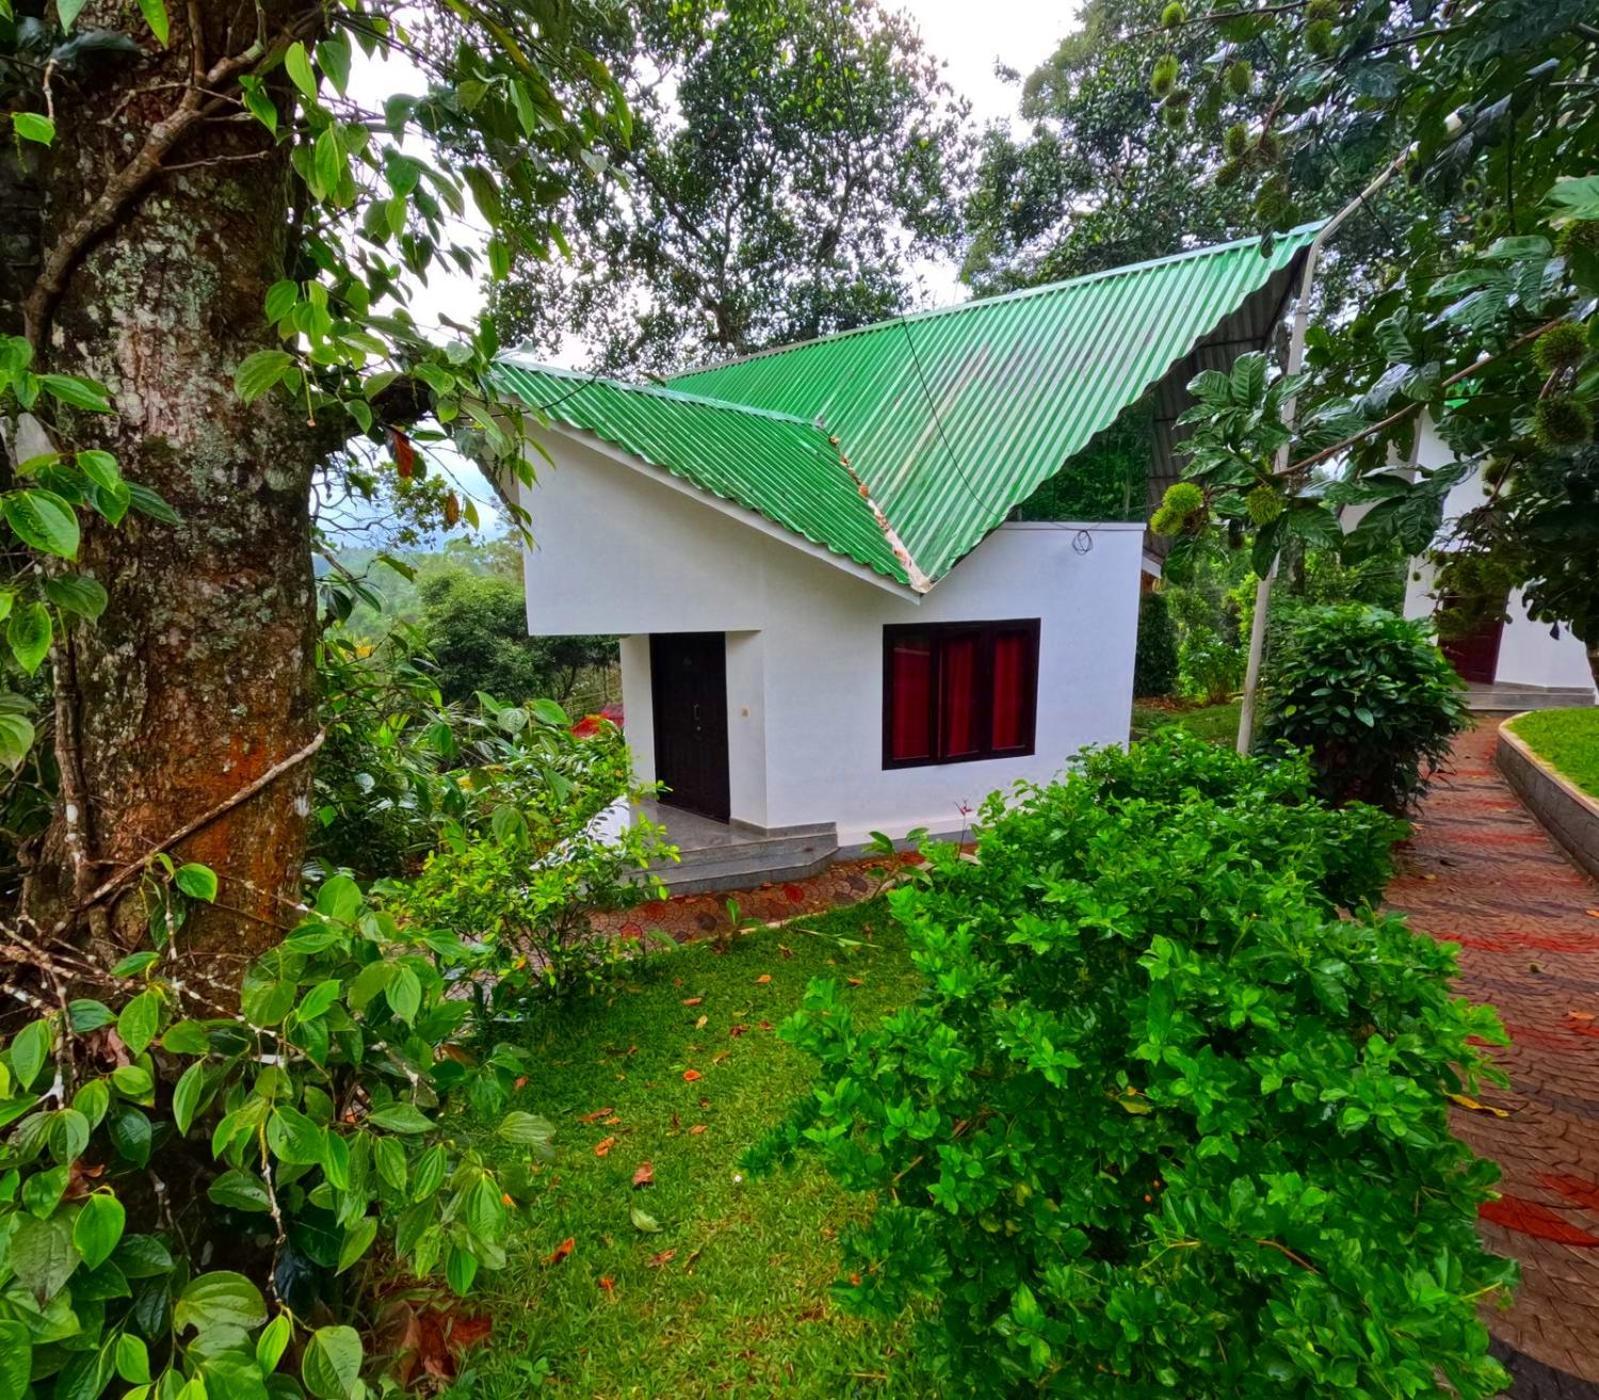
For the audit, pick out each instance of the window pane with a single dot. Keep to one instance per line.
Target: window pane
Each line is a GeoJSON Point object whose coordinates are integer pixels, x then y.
{"type": "Point", "coordinates": [1012, 681]}
{"type": "Point", "coordinates": [958, 699]}
{"type": "Point", "coordinates": [910, 696]}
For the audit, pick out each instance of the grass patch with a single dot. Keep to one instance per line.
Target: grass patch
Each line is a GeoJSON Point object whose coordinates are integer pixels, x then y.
{"type": "Point", "coordinates": [1566, 739]}
{"type": "Point", "coordinates": [731, 1296]}
{"type": "Point", "coordinates": [1217, 723]}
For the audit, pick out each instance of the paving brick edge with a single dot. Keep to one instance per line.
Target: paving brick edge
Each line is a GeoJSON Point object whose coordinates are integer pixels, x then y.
{"type": "Point", "coordinates": [1567, 813]}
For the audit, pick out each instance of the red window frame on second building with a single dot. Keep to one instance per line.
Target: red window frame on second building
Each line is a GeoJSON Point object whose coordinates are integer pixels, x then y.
{"type": "Point", "coordinates": [959, 692]}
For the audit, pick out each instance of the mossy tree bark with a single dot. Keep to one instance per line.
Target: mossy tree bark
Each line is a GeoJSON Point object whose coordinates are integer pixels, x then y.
{"type": "Point", "coordinates": [199, 677]}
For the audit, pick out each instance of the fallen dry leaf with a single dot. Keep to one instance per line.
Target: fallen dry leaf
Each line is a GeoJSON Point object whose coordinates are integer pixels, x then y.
{"type": "Point", "coordinates": [603, 1146]}
{"type": "Point", "coordinates": [855, 981]}
{"type": "Point", "coordinates": [612, 1121]}
{"type": "Point", "coordinates": [763, 979]}
{"type": "Point", "coordinates": [664, 1257]}
{"type": "Point", "coordinates": [1466, 1101]}
{"type": "Point", "coordinates": [1593, 913]}
{"type": "Point", "coordinates": [690, 1075]}
{"type": "Point", "coordinates": [561, 1250]}
{"type": "Point", "coordinates": [786, 952]}
{"type": "Point", "coordinates": [608, 1283]}
{"type": "Point", "coordinates": [1581, 1018]}
{"type": "Point", "coordinates": [595, 1117]}
{"type": "Point", "coordinates": [719, 1056]}
{"type": "Point", "coordinates": [692, 1001]}
{"type": "Point", "coordinates": [737, 1030]}
{"type": "Point", "coordinates": [696, 1130]}
{"type": "Point", "coordinates": [645, 1175]}
{"type": "Point", "coordinates": [765, 1025]}
{"type": "Point", "coordinates": [699, 1025]}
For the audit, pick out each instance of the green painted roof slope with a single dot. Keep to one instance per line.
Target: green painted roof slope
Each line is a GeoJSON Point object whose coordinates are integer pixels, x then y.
{"type": "Point", "coordinates": [953, 417]}
{"type": "Point", "coordinates": [773, 463]}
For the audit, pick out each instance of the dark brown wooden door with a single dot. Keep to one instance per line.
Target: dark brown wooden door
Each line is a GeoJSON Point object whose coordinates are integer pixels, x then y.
{"type": "Point", "coordinates": [1475, 656]}
{"type": "Point", "coordinates": [688, 685]}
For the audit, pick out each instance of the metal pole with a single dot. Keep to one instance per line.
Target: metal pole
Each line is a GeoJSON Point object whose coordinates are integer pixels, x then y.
{"type": "Point", "coordinates": [1296, 358]}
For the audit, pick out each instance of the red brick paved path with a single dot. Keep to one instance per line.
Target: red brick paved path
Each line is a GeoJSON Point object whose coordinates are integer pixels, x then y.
{"type": "Point", "coordinates": [1481, 872]}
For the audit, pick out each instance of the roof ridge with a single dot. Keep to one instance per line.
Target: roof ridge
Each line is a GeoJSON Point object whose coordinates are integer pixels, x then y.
{"type": "Point", "coordinates": [517, 360]}
{"type": "Point", "coordinates": [1020, 294]}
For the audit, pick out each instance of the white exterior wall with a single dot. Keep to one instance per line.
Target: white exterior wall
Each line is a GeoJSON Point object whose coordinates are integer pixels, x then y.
{"type": "Point", "coordinates": [618, 551]}
{"type": "Point", "coordinates": [1528, 654]}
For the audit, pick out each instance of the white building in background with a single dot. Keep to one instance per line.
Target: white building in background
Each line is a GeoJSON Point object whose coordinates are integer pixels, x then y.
{"type": "Point", "coordinates": [1517, 664]}
{"type": "Point", "coordinates": [833, 622]}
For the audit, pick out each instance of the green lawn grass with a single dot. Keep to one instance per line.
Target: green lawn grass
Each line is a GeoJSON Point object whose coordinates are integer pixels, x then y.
{"type": "Point", "coordinates": [1218, 723]}
{"type": "Point", "coordinates": [731, 1296]}
{"type": "Point", "coordinates": [1568, 739]}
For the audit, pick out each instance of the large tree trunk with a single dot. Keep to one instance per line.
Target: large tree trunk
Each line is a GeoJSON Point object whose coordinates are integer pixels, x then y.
{"type": "Point", "coordinates": [199, 677]}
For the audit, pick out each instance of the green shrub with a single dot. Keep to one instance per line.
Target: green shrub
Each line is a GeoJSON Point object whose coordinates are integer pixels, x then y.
{"type": "Point", "coordinates": [1368, 696]}
{"type": "Point", "coordinates": [171, 1164]}
{"type": "Point", "coordinates": [1209, 668]}
{"type": "Point", "coordinates": [1155, 660]}
{"type": "Point", "coordinates": [1163, 1122]}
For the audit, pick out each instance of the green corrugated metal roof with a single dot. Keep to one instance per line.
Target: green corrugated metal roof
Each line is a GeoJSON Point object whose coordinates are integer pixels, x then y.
{"type": "Point", "coordinates": [773, 463]}
{"type": "Point", "coordinates": [900, 445]}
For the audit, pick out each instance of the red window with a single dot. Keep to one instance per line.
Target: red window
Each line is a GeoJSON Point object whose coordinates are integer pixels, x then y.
{"type": "Point", "coordinates": [957, 691]}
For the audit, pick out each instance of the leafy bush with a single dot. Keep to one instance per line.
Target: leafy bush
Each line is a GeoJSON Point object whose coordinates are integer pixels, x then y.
{"type": "Point", "coordinates": [1370, 698]}
{"type": "Point", "coordinates": [1209, 668]}
{"type": "Point", "coordinates": [476, 628]}
{"type": "Point", "coordinates": [1163, 1122]}
{"type": "Point", "coordinates": [173, 1163]}
{"type": "Point", "coordinates": [1155, 660]}
{"type": "Point", "coordinates": [533, 852]}
{"type": "Point", "coordinates": [389, 735]}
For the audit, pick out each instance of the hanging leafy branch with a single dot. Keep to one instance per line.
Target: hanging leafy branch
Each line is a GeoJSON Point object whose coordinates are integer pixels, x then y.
{"type": "Point", "coordinates": [1479, 315]}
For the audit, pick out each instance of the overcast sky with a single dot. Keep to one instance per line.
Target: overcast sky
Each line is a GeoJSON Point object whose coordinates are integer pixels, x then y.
{"type": "Point", "coordinates": [970, 37]}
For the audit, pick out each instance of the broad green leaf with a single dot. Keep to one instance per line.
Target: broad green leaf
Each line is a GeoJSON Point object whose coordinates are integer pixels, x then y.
{"type": "Point", "coordinates": [197, 881]}
{"type": "Point", "coordinates": [16, 739]}
{"type": "Point", "coordinates": [92, 1101]}
{"type": "Point", "coordinates": [241, 1190]}
{"type": "Point", "coordinates": [133, 1359]}
{"type": "Point", "coordinates": [332, 1365]}
{"type": "Point", "coordinates": [460, 1268]}
{"type": "Point", "coordinates": [281, 298]}
{"type": "Point", "coordinates": [272, 1343]}
{"type": "Point", "coordinates": [220, 1299]}
{"type": "Point", "coordinates": [130, 1133]}
{"type": "Point", "coordinates": [259, 372]}
{"type": "Point", "coordinates": [31, 126]}
{"type": "Point", "coordinates": [42, 1256]}
{"type": "Point", "coordinates": [548, 712]}
{"type": "Point", "coordinates": [318, 999]}
{"type": "Point", "coordinates": [77, 593]}
{"type": "Point", "coordinates": [333, 57]}
{"type": "Point", "coordinates": [16, 1360]}
{"type": "Point", "coordinates": [139, 1021]}
{"type": "Point", "coordinates": [67, 11]}
{"type": "Point", "coordinates": [43, 520]}
{"type": "Point", "coordinates": [135, 963]}
{"type": "Point", "coordinates": [68, 1135]}
{"type": "Point", "coordinates": [98, 1228]}
{"type": "Point", "coordinates": [404, 993]}
{"type": "Point", "coordinates": [297, 63]}
{"type": "Point", "coordinates": [100, 467]}
{"type": "Point", "coordinates": [528, 1130]}
{"type": "Point", "coordinates": [186, 1038]}
{"type": "Point", "coordinates": [294, 1138]}
{"type": "Point", "coordinates": [155, 15]}
{"type": "Point", "coordinates": [643, 1221]}
{"type": "Point", "coordinates": [150, 503]}
{"type": "Point", "coordinates": [133, 1081]}
{"type": "Point", "coordinates": [87, 1015]}
{"type": "Point", "coordinates": [400, 1118]}
{"type": "Point", "coordinates": [188, 1094]}
{"type": "Point", "coordinates": [29, 633]}
{"type": "Point", "coordinates": [30, 1048]}
{"type": "Point", "coordinates": [258, 103]}
{"type": "Point", "coordinates": [357, 1240]}
{"type": "Point", "coordinates": [75, 392]}
{"type": "Point", "coordinates": [339, 898]}
{"type": "Point", "coordinates": [143, 1256]}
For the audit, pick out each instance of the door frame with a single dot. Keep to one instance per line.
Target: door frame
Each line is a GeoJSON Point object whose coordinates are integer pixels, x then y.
{"type": "Point", "coordinates": [718, 805]}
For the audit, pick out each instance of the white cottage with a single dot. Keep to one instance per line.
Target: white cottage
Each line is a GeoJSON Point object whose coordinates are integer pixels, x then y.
{"type": "Point", "coordinates": [832, 621]}
{"type": "Point", "coordinates": [1512, 664]}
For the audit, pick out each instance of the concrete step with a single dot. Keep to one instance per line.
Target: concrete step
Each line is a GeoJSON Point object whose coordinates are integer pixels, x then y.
{"type": "Point", "coordinates": [1508, 696]}
{"type": "Point", "coordinates": [748, 859]}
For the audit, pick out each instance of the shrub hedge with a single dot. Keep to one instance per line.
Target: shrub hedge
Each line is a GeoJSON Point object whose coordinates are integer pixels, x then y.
{"type": "Point", "coordinates": [1171, 1116]}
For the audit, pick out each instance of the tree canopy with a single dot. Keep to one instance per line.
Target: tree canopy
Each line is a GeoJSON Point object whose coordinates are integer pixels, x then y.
{"type": "Point", "coordinates": [789, 159]}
